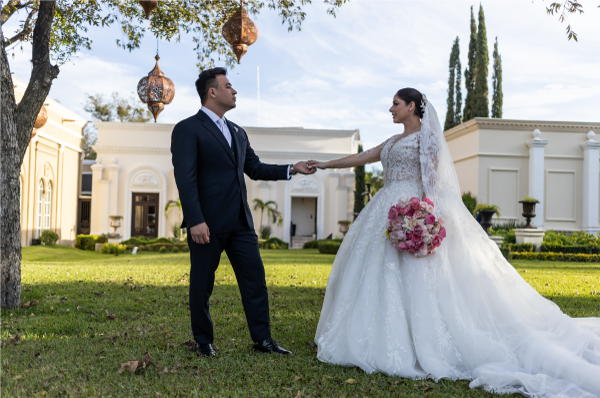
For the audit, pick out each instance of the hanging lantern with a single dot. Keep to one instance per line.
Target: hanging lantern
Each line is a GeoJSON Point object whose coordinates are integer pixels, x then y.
{"type": "Point", "coordinates": [40, 121]}
{"type": "Point", "coordinates": [156, 90]}
{"type": "Point", "coordinates": [240, 32]}
{"type": "Point", "coordinates": [148, 6]}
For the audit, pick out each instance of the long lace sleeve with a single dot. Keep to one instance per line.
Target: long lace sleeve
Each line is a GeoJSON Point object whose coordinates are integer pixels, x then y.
{"type": "Point", "coordinates": [430, 157]}
{"type": "Point", "coordinates": [371, 155]}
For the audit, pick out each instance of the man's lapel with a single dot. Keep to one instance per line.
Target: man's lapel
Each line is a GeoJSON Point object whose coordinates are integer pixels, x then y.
{"type": "Point", "coordinates": [236, 141]}
{"type": "Point", "coordinates": [212, 127]}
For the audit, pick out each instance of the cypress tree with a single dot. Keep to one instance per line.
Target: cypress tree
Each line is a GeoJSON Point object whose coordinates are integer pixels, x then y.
{"type": "Point", "coordinates": [359, 186]}
{"type": "Point", "coordinates": [497, 83]}
{"type": "Point", "coordinates": [454, 97]}
{"type": "Point", "coordinates": [470, 70]}
{"type": "Point", "coordinates": [482, 60]}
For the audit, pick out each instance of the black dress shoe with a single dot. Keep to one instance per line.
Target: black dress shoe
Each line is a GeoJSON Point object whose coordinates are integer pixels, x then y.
{"type": "Point", "coordinates": [205, 350]}
{"type": "Point", "coordinates": [269, 345]}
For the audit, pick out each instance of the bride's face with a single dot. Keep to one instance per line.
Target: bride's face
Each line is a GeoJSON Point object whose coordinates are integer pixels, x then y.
{"type": "Point", "coordinates": [400, 110]}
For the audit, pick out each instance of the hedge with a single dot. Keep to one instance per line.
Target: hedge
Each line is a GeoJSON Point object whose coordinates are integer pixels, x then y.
{"type": "Point", "coordinates": [273, 243]}
{"type": "Point", "coordinates": [550, 256]}
{"type": "Point", "coordinates": [577, 249]}
{"type": "Point", "coordinates": [521, 247]}
{"type": "Point", "coordinates": [155, 247]}
{"type": "Point", "coordinates": [48, 237]}
{"type": "Point", "coordinates": [144, 241]}
{"type": "Point", "coordinates": [314, 244]}
{"type": "Point", "coordinates": [329, 246]}
{"type": "Point", "coordinates": [88, 242]}
{"type": "Point", "coordinates": [110, 248]}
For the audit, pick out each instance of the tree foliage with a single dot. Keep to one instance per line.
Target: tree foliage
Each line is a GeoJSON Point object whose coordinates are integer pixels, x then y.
{"type": "Point", "coordinates": [116, 109]}
{"type": "Point", "coordinates": [562, 9]}
{"type": "Point", "coordinates": [375, 178]}
{"type": "Point", "coordinates": [359, 186]}
{"type": "Point", "coordinates": [454, 101]}
{"type": "Point", "coordinates": [497, 96]}
{"type": "Point", "coordinates": [482, 61]}
{"type": "Point", "coordinates": [470, 70]}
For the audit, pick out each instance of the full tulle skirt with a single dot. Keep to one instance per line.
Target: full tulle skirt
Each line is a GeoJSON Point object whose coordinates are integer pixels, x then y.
{"type": "Point", "coordinates": [462, 312]}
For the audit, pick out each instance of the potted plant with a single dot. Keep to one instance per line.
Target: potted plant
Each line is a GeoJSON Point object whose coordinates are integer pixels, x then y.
{"type": "Point", "coordinates": [487, 211]}
{"type": "Point", "coordinates": [344, 226]}
{"type": "Point", "coordinates": [529, 210]}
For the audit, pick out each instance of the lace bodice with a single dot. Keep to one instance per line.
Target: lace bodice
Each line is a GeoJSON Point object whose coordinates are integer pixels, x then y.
{"type": "Point", "coordinates": [400, 160]}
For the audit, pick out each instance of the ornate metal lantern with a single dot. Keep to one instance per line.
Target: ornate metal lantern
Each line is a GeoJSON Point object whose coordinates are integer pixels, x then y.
{"type": "Point", "coordinates": [156, 90]}
{"type": "Point", "coordinates": [240, 32]}
{"type": "Point", "coordinates": [148, 6]}
{"type": "Point", "coordinates": [40, 120]}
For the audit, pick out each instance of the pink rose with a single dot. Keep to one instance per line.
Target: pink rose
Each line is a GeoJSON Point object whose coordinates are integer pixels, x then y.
{"type": "Point", "coordinates": [420, 213]}
{"type": "Point", "coordinates": [441, 221]}
{"type": "Point", "coordinates": [402, 246]}
{"type": "Point", "coordinates": [410, 244]}
{"type": "Point", "coordinates": [426, 200]}
{"type": "Point", "coordinates": [416, 238]}
{"type": "Point", "coordinates": [435, 231]}
{"type": "Point", "coordinates": [418, 231]}
{"type": "Point", "coordinates": [415, 204]}
{"type": "Point", "coordinates": [422, 252]}
{"type": "Point", "coordinates": [420, 245]}
{"type": "Point", "coordinates": [393, 213]}
{"type": "Point", "coordinates": [410, 213]}
{"type": "Point", "coordinates": [423, 205]}
{"type": "Point", "coordinates": [430, 219]}
{"type": "Point", "coordinates": [443, 232]}
{"type": "Point", "coordinates": [403, 210]}
{"type": "Point", "coordinates": [437, 241]}
{"type": "Point", "coordinates": [409, 236]}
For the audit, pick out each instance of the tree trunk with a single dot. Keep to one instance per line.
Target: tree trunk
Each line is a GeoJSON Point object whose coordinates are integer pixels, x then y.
{"type": "Point", "coordinates": [15, 134]}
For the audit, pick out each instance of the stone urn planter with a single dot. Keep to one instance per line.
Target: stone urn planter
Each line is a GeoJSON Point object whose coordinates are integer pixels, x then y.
{"type": "Point", "coordinates": [529, 212]}
{"type": "Point", "coordinates": [486, 219]}
{"type": "Point", "coordinates": [115, 222]}
{"type": "Point", "coordinates": [344, 226]}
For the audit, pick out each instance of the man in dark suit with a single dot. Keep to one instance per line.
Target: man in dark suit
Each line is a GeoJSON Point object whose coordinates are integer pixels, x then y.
{"type": "Point", "coordinates": [210, 156]}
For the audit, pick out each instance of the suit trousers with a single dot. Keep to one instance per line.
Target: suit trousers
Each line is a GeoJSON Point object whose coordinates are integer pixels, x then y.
{"type": "Point", "coordinates": [241, 246]}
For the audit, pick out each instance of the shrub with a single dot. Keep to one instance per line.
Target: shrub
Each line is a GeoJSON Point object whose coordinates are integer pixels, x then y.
{"type": "Point", "coordinates": [508, 235]}
{"type": "Point", "coordinates": [329, 246]}
{"type": "Point", "coordinates": [312, 244]}
{"type": "Point", "coordinates": [86, 242]}
{"type": "Point", "coordinates": [469, 200]}
{"type": "Point", "coordinates": [486, 206]}
{"type": "Point", "coordinates": [48, 237]}
{"type": "Point", "coordinates": [142, 240]}
{"type": "Point", "coordinates": [550, 256]}
{"type": "Point", "coordinates": [576, 249]}
{"type": "Point", "coordinates": [186, 249]}
{"type": "Point", "coordinates": [505, 252]}
{"type": "Point", "coordinates": [508, 225]}
{"type": "Point", "coordinates": [175, 249]}
{"type": "Point", "coordinates": [273, 243]}
{"type": "Point", "coordinates": [521, 247]}
{"type": "Point", "coordinates": [111, 248]}
{"type": "Point", "coordinates": [163, 249]}
{"type": "Point", "coordinates": [265, 232]}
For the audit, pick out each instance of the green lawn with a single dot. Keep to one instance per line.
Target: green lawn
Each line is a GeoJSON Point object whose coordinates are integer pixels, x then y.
{"type": "Point", "coordinates": [66, 351]}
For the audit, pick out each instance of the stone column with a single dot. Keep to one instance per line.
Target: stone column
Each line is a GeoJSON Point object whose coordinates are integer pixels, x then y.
{"type": "Point", "coordinates": [536, 175]}
{"type": "Point", "coordinates": [113, 178]}
{"type": "Point", "coordinates": [591, 182]}
{"type": "Point", "coordinates": [97, 199]}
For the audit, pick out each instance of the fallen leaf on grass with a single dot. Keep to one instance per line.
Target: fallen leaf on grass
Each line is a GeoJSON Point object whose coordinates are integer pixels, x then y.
{"type": "Point", "coordinates": [110, 315]}
{"type": "Point", "coordinates": [298, 395]}
{"type": "Point", "coordinates": [16, 339]}
{"type": "Point", "coordinates": [49, 379]}
{"type": "Point", "coordinates": [80, 307]}
{"type": "Point", "coordinates": [99, 294]}
{"type": "Point", "coordinates": [37, 355]}
{"type": "Point", "coordinates": [296, 378]}
{"type": "Point", "coordinates": [17, 377]}
{"type": "Point", "coordinates": [310, 343]}
{"type": "Point", "coordinates": [164, 371]}
{"type": "Point", "coordinates": [26, 304]}
{"type": "Point", "coordinates": [350, 381]}
{"type": "Point", "coordinates": [90, 312]}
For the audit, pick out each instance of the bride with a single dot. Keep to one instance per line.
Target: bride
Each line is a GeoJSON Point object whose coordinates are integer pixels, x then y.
{"type": "Point", "coordinates": [462, 312]}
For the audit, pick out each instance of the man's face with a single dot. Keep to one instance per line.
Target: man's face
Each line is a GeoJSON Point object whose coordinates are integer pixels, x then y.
{"type": "Point", "coordinates": [224, 93]}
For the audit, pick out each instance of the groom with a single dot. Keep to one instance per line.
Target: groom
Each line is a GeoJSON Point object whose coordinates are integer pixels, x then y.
{"type": "Point", "coordinates": [210, 156]}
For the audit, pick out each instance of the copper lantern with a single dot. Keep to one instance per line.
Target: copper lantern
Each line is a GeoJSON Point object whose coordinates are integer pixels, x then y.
{"type": "Point", "coordinates": [156, 90]}
{"type": "Point", "coordinates": [40, 120]}
{"type": "Point", "coordinates": [240, 32]}
{"type": "Point", "coordinates": [148, 6]}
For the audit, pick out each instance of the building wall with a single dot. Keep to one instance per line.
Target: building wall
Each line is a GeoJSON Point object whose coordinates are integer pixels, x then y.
{"type": "Point", "coordinates": [493, 158]}
{"type": "Point", "coordinates": [135, 157]}
{"type": "Point", "coordinates": [53, 158]}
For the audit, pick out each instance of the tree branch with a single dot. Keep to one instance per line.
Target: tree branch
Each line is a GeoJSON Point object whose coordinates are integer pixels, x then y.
{"type": "Point", "coordinates": [13, 6]}
{"type": "Point", "coordinates": [27, 28]}
{"type": "Point", "coordinates": [42, 74]}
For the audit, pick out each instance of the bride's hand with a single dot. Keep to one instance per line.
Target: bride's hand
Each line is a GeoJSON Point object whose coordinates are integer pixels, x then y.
{"type": "Point", "coordinates": [317, 164]}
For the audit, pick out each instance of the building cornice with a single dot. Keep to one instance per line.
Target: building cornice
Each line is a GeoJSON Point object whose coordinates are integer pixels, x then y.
{"type": "Point", "coordinates": [482, 123]}
{"type": "Point", "coordinates": [168, 127]}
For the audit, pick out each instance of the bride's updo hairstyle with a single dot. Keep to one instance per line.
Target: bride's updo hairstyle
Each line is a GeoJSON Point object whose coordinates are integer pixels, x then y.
{"type": "Point", "coordinates": [409, 95]}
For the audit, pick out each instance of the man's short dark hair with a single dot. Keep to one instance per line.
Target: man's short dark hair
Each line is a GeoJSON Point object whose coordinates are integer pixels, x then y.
{"type": "Point", "coordinates": [207, 80]}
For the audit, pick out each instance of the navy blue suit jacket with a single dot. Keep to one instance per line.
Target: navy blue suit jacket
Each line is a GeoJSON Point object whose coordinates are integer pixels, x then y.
{"type": "Point", "coordinates": [210, 174]}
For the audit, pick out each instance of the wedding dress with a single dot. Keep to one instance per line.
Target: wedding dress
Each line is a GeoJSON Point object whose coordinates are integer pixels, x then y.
{"type": "Point", "coordinates": [462, 312]}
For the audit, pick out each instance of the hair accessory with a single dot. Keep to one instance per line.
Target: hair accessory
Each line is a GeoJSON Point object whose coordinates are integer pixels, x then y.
{"type": "Point", "coordinates": [423, 102]}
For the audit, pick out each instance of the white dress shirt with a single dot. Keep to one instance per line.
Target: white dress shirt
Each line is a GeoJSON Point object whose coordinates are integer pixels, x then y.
{"type": "Point", "coordinates": [221, 123]}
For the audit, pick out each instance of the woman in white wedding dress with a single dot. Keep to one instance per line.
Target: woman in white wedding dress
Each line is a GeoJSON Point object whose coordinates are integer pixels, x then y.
{"type": "Point", "coordinates": [462, 312]}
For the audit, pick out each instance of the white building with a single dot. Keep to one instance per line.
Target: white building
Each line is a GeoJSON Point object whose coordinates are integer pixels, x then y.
{"type": "Point", "coordinates": [502, 160]}
{"type": "Point", "coordinates": [133, 177]}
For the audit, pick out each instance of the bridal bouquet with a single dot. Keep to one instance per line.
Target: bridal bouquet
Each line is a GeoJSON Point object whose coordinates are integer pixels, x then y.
{"type": "Point", "coordinates": [413, 227]}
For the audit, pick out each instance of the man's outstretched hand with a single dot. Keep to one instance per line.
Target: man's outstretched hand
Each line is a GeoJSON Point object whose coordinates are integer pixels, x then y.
{"type": "Point", "coordinates": [200, 234]}
{"type": "Point", "coordinates": [304, 168]}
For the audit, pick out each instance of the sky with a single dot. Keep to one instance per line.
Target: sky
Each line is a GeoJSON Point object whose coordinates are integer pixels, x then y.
{"type": "Point", "coordinates": [341, 73]}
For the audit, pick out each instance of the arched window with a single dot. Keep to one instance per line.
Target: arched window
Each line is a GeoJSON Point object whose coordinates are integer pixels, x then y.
{"type": "Point", "coordinates": [48, 206]}
{"type": "Point", "coordinates": [38, 231]}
